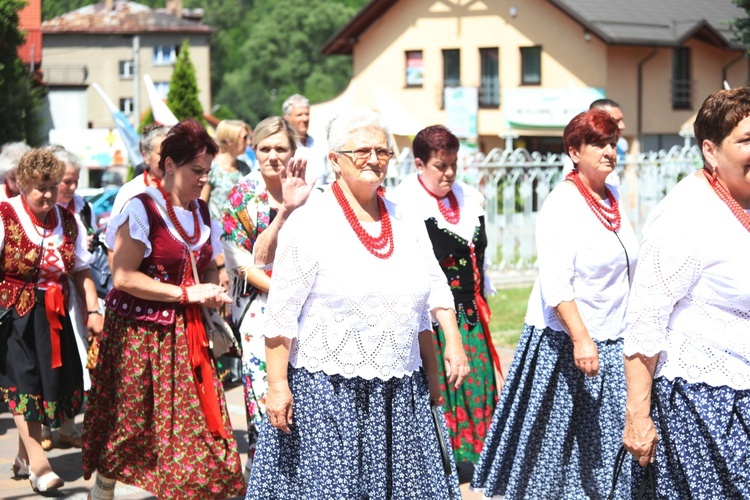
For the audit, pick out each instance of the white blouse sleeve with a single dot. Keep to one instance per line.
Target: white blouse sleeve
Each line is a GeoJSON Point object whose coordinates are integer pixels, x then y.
{"type": "Point", "coordinates": [556, 252]}
{"type": "Point", "coordinates": [667, 269]}
{"type": "Point", "coordinates": [295, 268]}
{"type": "Point", "coordinates": [134, 214]}
{"type": "Point", "coordinates": [83, 256]}
{"type": "Point", "coordinates": [216, 232]}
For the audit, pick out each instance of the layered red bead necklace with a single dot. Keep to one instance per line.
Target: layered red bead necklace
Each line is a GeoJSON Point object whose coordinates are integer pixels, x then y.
{"type": "Point", "coordinates": [451, 214]}
{"type": "Point", "coordinates": [381, 246]}
{"type": "Point", "coordinates": [48, 226]}
{"type": "Point", "coordinates": [190, 240]}
{"type": "Point", "coordinates": [609, 216]}
{"type": "Point", "coordinates": [724, 195]}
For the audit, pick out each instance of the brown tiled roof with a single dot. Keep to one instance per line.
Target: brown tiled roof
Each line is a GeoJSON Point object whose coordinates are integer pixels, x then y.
{"type": "Point", "coordinates": [634, 22]}
{"type": "Point", "coordinates": [125, 18]}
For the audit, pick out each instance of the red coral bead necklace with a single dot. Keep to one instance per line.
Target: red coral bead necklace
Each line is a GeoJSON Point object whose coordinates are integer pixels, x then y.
{"type": "Point", "coordinates": [380, 246]}
{"type": "Point", "coordinates": [157, 182]}
{"type": "Point", "coordinates": [726, 197]}
{"type": "Point", "coordinates": [609, 216]}
{"type": "Point", "coordinates": [48, 226]}
{"type": "Point", "coordinates": [190, 240]}
{"type": "Point", "coordinates": [451, 214]}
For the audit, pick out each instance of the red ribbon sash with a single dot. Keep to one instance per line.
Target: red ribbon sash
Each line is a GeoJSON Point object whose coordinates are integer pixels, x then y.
{"type": "Point", "coordinates": [203, 372]}
{"type": "Point", "coordinates": [54, 305]}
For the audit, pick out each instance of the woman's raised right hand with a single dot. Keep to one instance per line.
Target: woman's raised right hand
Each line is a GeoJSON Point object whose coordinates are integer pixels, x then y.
{"type": "Point", "coordinates": [279, 406]}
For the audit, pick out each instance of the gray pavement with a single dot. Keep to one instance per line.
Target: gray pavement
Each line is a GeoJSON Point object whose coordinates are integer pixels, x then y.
{"type": "Point", "coordinates": [66, 462]}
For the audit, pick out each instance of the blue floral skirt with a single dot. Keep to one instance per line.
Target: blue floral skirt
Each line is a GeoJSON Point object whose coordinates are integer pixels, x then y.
{"type": "Point", "coordinates": [555, 432]}
{"type": "Point", "coordinates": [353, 438]}
{"type": "Point", "coordinates": [704, 440]}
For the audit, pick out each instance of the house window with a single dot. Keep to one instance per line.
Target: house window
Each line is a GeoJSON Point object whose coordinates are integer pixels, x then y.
{"type": "Point", "coordinates": [165, 54]}
{"type": "Point", "coordinates": [126, 70]}
{"type": "Point", "coordinates": [162, 88]}
{"type": "Point", "coordinates": [489, 89]}
{"type": "Point", "coordinates": [126, 105]}
{"type": "Point", "coordinates": [531, 65]}
{"type": "Point", "coordinates": [414, 68]}
{"type": "Point", "coordinates": [451, 68]}
{"type": "Point", "coordinates": [681, 78]}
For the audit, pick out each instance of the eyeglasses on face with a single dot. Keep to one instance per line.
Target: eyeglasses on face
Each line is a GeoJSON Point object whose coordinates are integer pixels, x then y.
{"type": "Point", "coordinates": [363, 154]}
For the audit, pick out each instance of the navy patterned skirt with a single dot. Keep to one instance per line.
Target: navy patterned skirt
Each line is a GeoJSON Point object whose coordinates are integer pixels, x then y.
{"type": "Point", "coordinates": [353, 438]}
{"type": "Point", "coordinates": [555, 432]}
{"type": "Point", "coordinates": [704, 440]}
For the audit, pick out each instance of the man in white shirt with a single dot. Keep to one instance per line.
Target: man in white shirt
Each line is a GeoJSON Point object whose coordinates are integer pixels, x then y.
{"type": "Point", "coordinates": [296, 110]}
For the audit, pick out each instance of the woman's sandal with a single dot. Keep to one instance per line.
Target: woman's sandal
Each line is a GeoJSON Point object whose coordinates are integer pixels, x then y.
{"type": "Point", "coordinates": [20, 468]}
{"type": "Point", "coordinates": [73, 439]}
{"type": "Point", "coordinates": [45, 482]}
{"type": "Point", "coordinates": [46, 438]}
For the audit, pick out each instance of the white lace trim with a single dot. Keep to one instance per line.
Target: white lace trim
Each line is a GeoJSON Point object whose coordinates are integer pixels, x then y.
{"type": "Point", "coordinates": [349, 312]}
{"type": "Point", "coordinates": [691, 294]}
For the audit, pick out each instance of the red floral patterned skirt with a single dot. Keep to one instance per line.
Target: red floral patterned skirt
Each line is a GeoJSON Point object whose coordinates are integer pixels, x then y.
{"type": "Point", "coordinates": [144, 425]}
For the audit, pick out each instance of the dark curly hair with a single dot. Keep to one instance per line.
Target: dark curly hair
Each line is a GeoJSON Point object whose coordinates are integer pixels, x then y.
{"type": "Point", "coordinates": [432, 139]}
{"type": "Point", "coordinates": [184, 142]}
{"type": "Point", "coordinates": [38, 166]}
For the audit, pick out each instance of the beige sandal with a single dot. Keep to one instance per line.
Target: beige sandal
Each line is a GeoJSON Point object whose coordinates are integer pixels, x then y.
{"type": "Point", "coordinates": [74, 439]}
{"type": "Point", "coordinates": [46, 438]}
{"type": "Point", "coordinates": [45, 482]}
{"type": "Point", "coordinates": [20, 468]}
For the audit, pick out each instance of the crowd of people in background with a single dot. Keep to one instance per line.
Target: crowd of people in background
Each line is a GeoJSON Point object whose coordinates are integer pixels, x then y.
{"type": "Point", "coordinates": [362, 321]}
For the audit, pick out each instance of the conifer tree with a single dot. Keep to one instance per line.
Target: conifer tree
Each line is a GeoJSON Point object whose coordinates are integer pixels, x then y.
{"type": "Point", "coordinates": [182, 98]}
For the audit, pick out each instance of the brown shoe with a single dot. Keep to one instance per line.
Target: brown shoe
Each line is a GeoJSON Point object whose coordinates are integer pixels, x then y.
{"type": "Point", "coordinates": [65, 440]}
{"type": "Point", "coordinates": [46, 438]}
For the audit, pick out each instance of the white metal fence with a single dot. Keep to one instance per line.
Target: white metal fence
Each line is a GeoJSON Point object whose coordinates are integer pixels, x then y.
{"type": "Point", "coordinates": [515, 183]}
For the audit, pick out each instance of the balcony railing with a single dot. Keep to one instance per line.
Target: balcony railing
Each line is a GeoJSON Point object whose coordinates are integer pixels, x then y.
{"type": "Point", "coordinates": [66, 74]}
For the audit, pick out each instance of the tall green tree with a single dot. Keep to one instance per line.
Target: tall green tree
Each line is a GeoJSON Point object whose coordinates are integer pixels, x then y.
{"type": "Point", "coordinates": [182, 98]}
{"type": "Point", "coordinates": [282, 56]}
{"type": "Point", "coordinates": [19, 95]}
{"type": "Point", "coordinates": [742, 25]}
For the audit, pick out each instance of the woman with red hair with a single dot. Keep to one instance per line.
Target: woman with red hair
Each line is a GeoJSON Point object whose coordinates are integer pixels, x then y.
{"type": "Point", "coordinates": [557, 426]}
{"type": "Point", "coordinates": [157, 417]}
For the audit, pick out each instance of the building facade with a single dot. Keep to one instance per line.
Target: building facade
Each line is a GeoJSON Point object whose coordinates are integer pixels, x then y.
{"type": "Point", "coordinates": [113, 44]}
{"type": "Point", "coordinates": [521, 70]}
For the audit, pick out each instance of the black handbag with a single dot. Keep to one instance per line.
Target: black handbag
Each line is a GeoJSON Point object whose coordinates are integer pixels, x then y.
{"type": "Point", "coordinates": [649, 481]}
{"type": "Point", "coordinates": [99, 265]}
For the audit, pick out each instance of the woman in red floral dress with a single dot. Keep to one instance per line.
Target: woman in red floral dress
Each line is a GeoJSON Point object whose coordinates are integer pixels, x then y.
{"type": "Point", "coordinates": [157, 417]}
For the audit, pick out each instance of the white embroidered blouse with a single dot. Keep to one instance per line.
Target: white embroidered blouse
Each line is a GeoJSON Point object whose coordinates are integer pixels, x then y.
{"type": "Point", "coordinates": [579, 259]}
{"type": "Point", "coordinates": [349, 312]}
{"type": "Point", "coordinates": [134, 213]}
{"type": "Point", "coordinates": [690, 302]}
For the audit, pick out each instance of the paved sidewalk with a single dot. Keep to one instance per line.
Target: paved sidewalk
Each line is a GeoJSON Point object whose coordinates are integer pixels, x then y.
{"type": "Point", "coordinates": [66, 462]}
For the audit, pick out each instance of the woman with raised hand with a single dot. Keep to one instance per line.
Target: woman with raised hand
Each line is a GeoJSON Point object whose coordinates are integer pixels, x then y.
{"type": "Point", "coordinates": [555, 429]}
{"type": "Point", "coordinates": [255, 211]}
{"type": "Point", "coordinates": [157, 417]}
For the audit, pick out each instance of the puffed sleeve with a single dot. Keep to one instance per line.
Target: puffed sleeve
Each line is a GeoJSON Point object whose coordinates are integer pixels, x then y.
{"type": "Point", "coordinates": [134, 215]}
{"type": "Point", "coordinates": [556, 250]}
{"type": "Point", "coordinates": [294, 272]}
{"type": "Point", "coordinates": [668, 266]}
{"type": "Point", "coordinates": [83, 256]}
{"type": "Point", "coordinates": [440, 293]}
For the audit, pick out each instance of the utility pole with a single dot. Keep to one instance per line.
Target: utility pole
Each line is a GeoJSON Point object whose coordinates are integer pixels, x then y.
{"type": "Point", "coordinates": [136, 80]}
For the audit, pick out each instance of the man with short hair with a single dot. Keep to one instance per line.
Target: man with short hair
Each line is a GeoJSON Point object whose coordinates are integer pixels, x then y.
{"type": "Point", "coordinates": [296, 110]}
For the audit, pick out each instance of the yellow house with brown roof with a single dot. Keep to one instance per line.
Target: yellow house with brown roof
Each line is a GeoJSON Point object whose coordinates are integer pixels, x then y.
{"type": "Point", "coordinates": [525, 67]}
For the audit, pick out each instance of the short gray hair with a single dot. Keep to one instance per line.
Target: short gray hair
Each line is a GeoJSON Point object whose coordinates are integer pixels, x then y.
{"type": "Point", "coordinates": [294, 101]}
{"type": "Point", "coordinates": [67, 157]}
{"type": "Point", "coordinates": [10, 155]}
{"type": "Point", "coordinates": [150, 133]}
{"type": "Point", "coordinates": [342, 126]}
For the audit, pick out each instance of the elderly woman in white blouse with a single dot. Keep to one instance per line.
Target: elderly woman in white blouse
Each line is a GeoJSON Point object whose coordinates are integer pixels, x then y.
{"type": "Point", "coordinates": [688, 335]}
{"type": "Point", "coordinates": [555, 432]}
{"type": "Point", "coordinates": [349, 351]}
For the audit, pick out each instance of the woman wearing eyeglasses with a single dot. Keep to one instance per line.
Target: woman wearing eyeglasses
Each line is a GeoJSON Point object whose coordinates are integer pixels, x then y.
{"type": "Point", "coordinates": [349, 353]}
{"type": "Point", "coordinates": [454, 217]}
{"type": "Point", "coordinates": [226, 172]}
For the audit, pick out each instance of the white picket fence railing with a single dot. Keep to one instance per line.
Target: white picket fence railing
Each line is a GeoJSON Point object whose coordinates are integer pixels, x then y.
{"type": "Point", "coordinates": [515, 184]}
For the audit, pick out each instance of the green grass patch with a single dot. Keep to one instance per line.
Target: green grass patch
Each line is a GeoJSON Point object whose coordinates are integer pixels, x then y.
{"type": "Point", "coordinates": [508, 311]}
